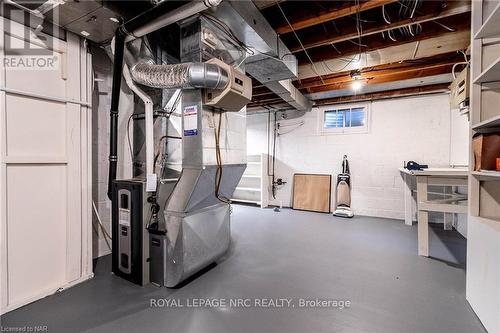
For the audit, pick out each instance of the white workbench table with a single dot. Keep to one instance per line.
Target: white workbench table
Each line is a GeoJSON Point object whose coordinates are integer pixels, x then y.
{"type": "Point", "coordinates": [424, 178]}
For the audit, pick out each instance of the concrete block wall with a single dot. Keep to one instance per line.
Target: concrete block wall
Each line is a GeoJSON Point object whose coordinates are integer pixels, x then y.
{"type": "Point", "coordinates": [415, 128]}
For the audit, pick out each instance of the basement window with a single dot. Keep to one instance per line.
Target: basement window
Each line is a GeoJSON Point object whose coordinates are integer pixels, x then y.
{"type": "Point", "coordinates": [344, 119]}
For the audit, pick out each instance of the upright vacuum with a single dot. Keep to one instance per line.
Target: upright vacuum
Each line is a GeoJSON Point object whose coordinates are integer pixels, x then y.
{"type": "Point", "coordinates": [343, 206]}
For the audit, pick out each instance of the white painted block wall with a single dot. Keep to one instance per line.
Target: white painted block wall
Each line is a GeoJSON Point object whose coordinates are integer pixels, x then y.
{"type": "Point", "coordinates": [415, 128]}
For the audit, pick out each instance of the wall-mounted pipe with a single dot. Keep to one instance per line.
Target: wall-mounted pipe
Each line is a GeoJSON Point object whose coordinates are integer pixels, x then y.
{"type": "Point", "coordinates": [149, 121]}
{"type": "Point", "coordinates": [113, 112]}
{"type": "Point", "coordinates": [180, 76]}
{"type": "Point", "coordinates": [149, 21]}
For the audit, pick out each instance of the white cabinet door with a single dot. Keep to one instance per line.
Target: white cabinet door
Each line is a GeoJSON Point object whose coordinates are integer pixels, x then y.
{"type": "Point", "coordinates": [44, 170]}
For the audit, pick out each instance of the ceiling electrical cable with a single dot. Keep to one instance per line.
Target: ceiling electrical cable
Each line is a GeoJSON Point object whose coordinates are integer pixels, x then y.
{"type": "Point", "coordinates": [348, 62]}
{"type": "Point", "coordinates": [300, 42]}
{"type": "Point", "coordinates": [355, 43]}
{"type": "Point", "coordinates": [384, 15]}
{"type": "Point", "coordinates": [294, 127]}
{"type": "Point", "coordinates": [335, 48]}
{"type": "Point", "coordinates": [391, 35]}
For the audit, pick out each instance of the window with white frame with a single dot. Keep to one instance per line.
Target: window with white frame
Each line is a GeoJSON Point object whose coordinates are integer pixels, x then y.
{"type": "Point", "coordinates": [344, 119]}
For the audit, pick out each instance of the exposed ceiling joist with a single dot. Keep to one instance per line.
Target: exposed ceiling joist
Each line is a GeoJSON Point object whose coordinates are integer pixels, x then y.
{"type": "Point", "coordinates": [435, 88]}
{"type": "Point", "coordinates": [335, 14]}
{"type": "Point", "coordinates": [388, 70]}
{"type": "Point", "coordinates": [405, 64]}
{"type": "Point", "coordinates": [445, 43]}
{"type": "Point", "coordinates": [384, 76]}
{"type": "Point", "coordinates": [455, 8]}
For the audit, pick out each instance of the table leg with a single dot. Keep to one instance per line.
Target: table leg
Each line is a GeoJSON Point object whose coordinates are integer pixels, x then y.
{"type": "Point", "coordinates": [408, 198]}
{"type": "Point", "coordinates": [449, 218]}
{"type": "Point", "coordinates": [448, 221]}
{"type": "Point", "coordinates": [423, 217]}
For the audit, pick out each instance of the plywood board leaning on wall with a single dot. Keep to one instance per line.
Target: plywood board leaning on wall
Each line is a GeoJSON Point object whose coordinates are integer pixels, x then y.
{"type": "Point", "coordinates": [312, 192]}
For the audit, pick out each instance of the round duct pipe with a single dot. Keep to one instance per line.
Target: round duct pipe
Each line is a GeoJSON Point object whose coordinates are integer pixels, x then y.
{"type": "Point", "coordinates": [180, 76]}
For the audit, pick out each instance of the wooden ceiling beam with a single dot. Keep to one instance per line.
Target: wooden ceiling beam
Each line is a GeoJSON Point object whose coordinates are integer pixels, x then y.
{"type": "Point", "coordinates": [381, 70]}
{"type": "Point", "coordinates": [335, 14]}
{"type": "Point", "coordinates": [392, 76]}
{"type": "Point", "coordinates": [425, 46]}
{"type": "Point", "coordinates": [454, 8]}
{"type": "Point", "coordinates": [434, 88]}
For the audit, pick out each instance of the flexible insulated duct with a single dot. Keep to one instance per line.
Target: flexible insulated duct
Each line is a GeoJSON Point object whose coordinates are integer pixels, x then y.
{"type": "Point", "coordinates": [180, 76]}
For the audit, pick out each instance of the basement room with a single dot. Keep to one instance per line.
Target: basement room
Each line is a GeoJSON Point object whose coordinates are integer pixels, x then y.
{"type": "Point", "coordinates": [263, 166]}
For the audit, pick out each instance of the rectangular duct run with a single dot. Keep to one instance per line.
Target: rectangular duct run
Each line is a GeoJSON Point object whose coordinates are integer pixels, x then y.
{"type": "Point", "coordinates": [272, 63]}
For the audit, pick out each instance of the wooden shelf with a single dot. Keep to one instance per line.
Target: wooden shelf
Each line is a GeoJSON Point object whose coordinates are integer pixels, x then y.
{"type": "Point", "coordinates": [487, 175]}
{"type": "Point", "coordinates": [487, 124]}
{"type": "Point", "coordinates": [490, 74]}
{"type": "Point", "coordinates": [491, 26]}
{"type": "Point", "coordinates": [487, 221]}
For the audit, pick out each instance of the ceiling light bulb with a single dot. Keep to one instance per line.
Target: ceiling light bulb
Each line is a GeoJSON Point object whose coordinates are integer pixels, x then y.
{"type": "Point", "coordinates": [357, 85]}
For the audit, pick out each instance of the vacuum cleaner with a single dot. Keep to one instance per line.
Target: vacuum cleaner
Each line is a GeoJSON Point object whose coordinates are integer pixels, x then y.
{"type": "Point", "coordinates": [343, 207]}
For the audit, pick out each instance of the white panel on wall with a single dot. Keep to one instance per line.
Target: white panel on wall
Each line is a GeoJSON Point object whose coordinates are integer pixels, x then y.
{"type": "Point", "coordinates": [28, 131]}
{"type": "Point", "coordinates": [36, 234]}
{"type": "Point", "coordinates": [483, 270]}
{"type": "Point", "coordinates": [44, 169]}
{"type": "Point", "coordinates": [459, 139]}
{"type": "Point", "coordinates": [23, 79]}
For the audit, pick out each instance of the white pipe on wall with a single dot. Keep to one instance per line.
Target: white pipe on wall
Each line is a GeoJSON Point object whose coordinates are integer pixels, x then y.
{"type": "Point", "coordinates": [148, 118]}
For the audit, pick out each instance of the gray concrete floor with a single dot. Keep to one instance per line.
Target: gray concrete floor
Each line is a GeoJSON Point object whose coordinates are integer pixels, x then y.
{"type": "Point", "coordinates": [371, 262]}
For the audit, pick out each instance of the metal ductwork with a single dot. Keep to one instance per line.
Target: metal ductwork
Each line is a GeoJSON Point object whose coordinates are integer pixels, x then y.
{"type": "Point", "coordinates": [180, 76]}
{"type": "Point", "coordinates": [151, 20]}
{"type": "Point", "coordinates": [287, 91]}
{"type": "Point", "coordinates": [273, 64]}
{"type": "Point", "coordinates": [187, 213]}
